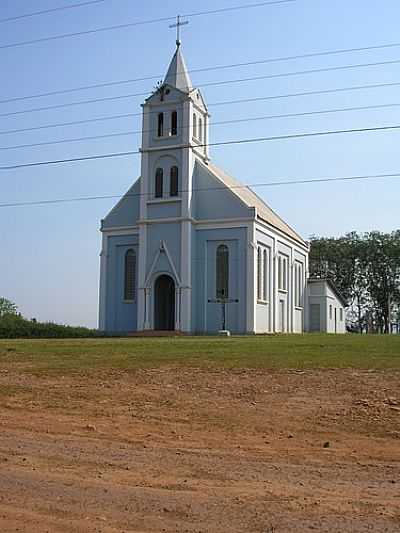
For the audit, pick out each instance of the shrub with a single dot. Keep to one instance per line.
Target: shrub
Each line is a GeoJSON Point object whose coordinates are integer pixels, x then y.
{"type": "Point", "coordinates": [14, 326]}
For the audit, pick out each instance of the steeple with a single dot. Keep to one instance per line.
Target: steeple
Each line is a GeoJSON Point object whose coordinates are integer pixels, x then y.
{"type": "Point", "coordinates": [178, 75]}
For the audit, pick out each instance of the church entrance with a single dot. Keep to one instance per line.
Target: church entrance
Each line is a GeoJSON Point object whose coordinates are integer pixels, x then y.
{"type": "Point", "coordinates": [164, 303]}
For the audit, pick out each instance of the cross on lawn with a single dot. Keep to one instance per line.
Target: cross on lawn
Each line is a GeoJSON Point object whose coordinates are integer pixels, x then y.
{"type": "Point", "coordinates": [223, 301]}
{"type": "Point", "coordinates": [178, 25]}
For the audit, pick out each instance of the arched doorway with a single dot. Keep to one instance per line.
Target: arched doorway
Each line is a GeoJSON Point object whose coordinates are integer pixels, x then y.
{"type": "Point", "coordinates": [164, 303]}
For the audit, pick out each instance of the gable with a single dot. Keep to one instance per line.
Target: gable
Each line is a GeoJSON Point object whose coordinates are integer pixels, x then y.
{"type": "Point", "coordinates": [212, 199]}
{"type": "Point", "coordinates": [252, 200]}
{"type": "Point", "coordinates": [171, 95]}
{"type": "Point", "coordinates": [126, 211]}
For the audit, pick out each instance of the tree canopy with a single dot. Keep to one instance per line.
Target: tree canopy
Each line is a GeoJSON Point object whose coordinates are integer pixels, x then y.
{"type": "Point", "coordinates": [7, 307]}
{"type": "Point", "coordinates": [366, 270]}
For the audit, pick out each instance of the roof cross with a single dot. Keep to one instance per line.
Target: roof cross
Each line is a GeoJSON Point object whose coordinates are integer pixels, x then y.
{"type": "Point", "coordinates": [178, 25]}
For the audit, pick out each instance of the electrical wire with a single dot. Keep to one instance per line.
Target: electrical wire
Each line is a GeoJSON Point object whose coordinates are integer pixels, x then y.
{"type": "Point", "coordinates": [217, 123]}
{"type": "Point", "coordinates": [141, 23]}
{"type": "Point", "coordinates": [209, 84]}
{"type": "Point", "coordinates": [226, 102]}
{"type": "Point", "coordinates": [214, 189]}
{"type": "Point", "coordinates": [46, 11]}
{"type": "Point", "coordinates": [220, 143]}
{"type": "Point", "coordinates": [204, 69]}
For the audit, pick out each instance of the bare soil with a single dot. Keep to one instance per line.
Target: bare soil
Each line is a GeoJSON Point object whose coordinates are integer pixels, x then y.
{"type": "Point", "coordinates": [182, 450]}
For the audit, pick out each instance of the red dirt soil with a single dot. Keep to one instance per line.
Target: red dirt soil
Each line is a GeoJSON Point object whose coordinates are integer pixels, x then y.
{"type": "Point", "coordinates": [178, 450]}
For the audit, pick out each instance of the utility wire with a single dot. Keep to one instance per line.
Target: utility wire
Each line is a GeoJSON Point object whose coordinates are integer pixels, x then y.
{"type": "Point", "coordinates": [222, 103]}
{"type": "Point", "coordinates": [233, 187]}
{"type": "Point", "coordinates": [141, 23]}
{"type": "Point", "coordinates": [52, 10]}
{"type": "Point", "coordinates": [204, 69]}
{"type": "Point", "coordinates": [217, 123]}
{"type": "Point", "coordinates": [220, 143]}
{"type": "Point", "coordinates": [209, 84]}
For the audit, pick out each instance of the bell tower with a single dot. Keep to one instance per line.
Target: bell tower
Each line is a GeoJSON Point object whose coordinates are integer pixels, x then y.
{"type": "Point", "coordinates": [174, 135]}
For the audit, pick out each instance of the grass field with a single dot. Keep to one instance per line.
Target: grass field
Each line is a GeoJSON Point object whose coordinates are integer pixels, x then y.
{"type": "Point", "coordinates": [280, 352]}
{"type": "Point", "coordinates": [200, 434]}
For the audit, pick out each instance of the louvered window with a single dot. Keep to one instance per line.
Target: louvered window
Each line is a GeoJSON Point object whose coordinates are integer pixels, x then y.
{"type": "Point", "coordinates": [174, 181]}
{"type": "Point", "coordinates": [158, 189]}
{"type": "Point", "coordinates": [174, 123]}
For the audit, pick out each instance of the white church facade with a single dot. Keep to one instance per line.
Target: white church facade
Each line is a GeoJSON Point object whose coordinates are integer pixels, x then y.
{"type": "Point", "coordinates": [188, 240]}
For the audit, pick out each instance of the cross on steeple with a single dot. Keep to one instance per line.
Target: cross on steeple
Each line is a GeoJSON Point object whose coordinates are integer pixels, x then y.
{"type": "Point", "coordinates": [178, 25]}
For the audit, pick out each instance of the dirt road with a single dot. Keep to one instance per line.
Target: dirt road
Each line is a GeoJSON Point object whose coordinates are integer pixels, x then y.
{"type": "Point", "coordinates": [179, 450]}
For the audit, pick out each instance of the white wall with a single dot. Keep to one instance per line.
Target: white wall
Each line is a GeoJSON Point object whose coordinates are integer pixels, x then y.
{"type": "Point", "coordinates": [332, 312]}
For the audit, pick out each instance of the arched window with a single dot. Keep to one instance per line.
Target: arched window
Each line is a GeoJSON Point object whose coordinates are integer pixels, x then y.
{"type": "Point", "coordinates": [222, 271]}
{"type": "Point", "coordinates": [130, 275]}
{"type": "Point", "coordinates": [174, 181]}
{"type": "Point", "coordinates": [160, 128]}
{"type": "Point", "coordinates": [259, 273]}
{"type": "Point", "coordinates": [174, 123]}
{"type": "Point", "coordinates": [200, 129]}
{"type": "Point", "coordinates": [194, 125]}
{"type": "Point", "coordinates": [265, 276]}
{"type": "Point", "coordinates": [158, 189]}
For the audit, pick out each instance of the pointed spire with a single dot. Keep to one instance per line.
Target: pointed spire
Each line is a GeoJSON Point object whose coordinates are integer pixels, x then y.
{"type": "Point", "coordinates": [178, 75]}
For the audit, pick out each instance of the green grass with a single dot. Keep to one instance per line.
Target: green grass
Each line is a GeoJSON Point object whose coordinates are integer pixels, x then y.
{"type": "Point", "coordinates": [275, 352]}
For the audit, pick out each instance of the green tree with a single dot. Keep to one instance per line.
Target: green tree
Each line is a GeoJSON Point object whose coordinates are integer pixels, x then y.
{"type": "Point", "coordinates": [366, 270]}
{"type": "Point", "coordinates": [7, 307]}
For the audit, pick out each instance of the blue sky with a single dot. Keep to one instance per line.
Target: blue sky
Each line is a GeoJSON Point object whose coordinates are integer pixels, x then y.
{"type": "Point", "coordinates": [49, 260]}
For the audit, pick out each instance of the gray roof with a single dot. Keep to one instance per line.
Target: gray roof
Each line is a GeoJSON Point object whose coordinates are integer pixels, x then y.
{"type": "Point", "coordinates": [178, 75]}
{"type": "Point", "coordinates": [250, 198]}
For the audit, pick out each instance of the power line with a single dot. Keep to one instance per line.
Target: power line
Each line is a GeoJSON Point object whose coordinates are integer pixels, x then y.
{"type": "Point", "coordinates": [247, 186]}
{"type": "Point", "coordinates": [45, 11]}
{"type": "Point", "coordinates": [217, 123]}
{"type": "Point", "coordinates": [222, 103]}
{"type": "Point", "coordinates": [141, 23]}
{"type": "Point", "coordinates": [220, 143]}
{"type": "Point", "coordinates": [215, 83]}
{"type": "Point", "coordinates": [204, 69]}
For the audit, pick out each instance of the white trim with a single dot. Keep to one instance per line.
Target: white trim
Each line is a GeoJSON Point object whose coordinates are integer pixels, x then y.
{"type": "Point", "coordinates": [251, 273]}
{"type": "Point", "coordinates": [281, 233]}
{"type": "Point", "coordinates": [162, 249]}
{"type": "Point", "coordinates": [166, 200]}
{"type": "Point", "coordinates": [168, 147]}
{"type": "Point", "coordinates": [103, 284]}
{"type": "Point", "coordinates": [127, 230]}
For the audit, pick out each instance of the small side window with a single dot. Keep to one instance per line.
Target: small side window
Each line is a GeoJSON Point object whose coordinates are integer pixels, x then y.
{"type": "Point", "coordinates": [174, 123]}
{"type": "Point", "coordinates": [200, 129]}
{"type": "Point", "coordinates": [130, 275]}
{"type": "Point", "coordinates": [194, 125]}
{"type": "Point", "coordinates": [160, 126]}
{"type": "Point", "coordinates": [222, 271]}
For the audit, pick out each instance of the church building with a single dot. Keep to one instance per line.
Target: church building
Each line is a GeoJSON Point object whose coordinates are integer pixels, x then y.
{"type": "Point", "coordinates": [188, 247]}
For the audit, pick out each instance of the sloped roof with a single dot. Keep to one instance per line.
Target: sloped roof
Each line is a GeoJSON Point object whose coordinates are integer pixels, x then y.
{"type": "Point", "coordinates": [178, 75]}
{"type": "Point", "coordinates": [332, 286]}
{"type": "Point", "coordinates": [251, 199]}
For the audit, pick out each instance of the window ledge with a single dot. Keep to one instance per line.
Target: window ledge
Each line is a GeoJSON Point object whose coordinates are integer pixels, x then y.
{"type": "Point", "coordinates": [128, 301]}
{"type": "Point", "coordinates": [262, 302]}
{"type": "Point", "coordinates": [164, 137]}
{"type": "Point", "coordinates": [284, 291]}
{"type": "Point", "coordinates": [167, 200]}
{"type": "Point", "coordinates": [299, 307]}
